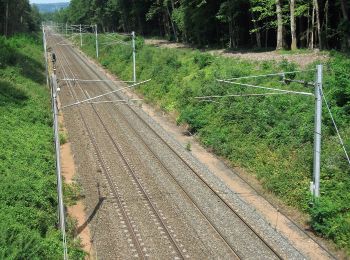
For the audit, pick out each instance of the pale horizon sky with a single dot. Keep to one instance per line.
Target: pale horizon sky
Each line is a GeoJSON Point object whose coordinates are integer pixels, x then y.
{"type": "Point", "coordinates": [48, 1]}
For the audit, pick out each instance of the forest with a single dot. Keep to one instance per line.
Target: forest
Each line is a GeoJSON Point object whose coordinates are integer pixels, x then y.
{"type": "Point", "coordinates": [18, 16]}
{"type": "Point", "coordinates": [280, 24]}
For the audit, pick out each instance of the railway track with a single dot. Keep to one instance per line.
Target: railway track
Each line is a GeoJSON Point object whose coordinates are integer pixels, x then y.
{"type": "Point", "coordinates": [128, 166]}
{"type": "Point", "coordinates": [176, 182]}
{"type": "Point", "coordinates": [106, 170]}
{"type": "Point", "coordinates": [170, 172]}
{"type": "Point", "coordinates": [159, 161]}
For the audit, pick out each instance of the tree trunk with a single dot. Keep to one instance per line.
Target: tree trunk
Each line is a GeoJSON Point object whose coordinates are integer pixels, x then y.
{"type": "Point", "coordinates": [6, 18]}
{"type": "Point", "coordinates": [308, 28]}
{"type": "Point", "coordinates": [344, 9]}
{"type": "Point", "coordinates": [160, 26]}
{"type": "Point", "coordinates": [293, 25]}
{"type": "Point", "coordinates": [311, 46]}
{"type": "Point", "coordinates": [166, 24]}
{"type": "Point", "coordinates": [326, 10]}
{"type": "Point", "coordinates": [172, 23]}
{"type": "Point", "coordinates": [258, 39]}
{"type": "Point", "coordinates": [229, 34]}
{"type": "Point", "coordinates": [318, 20]}
{"type": "Point", "coordinates": [257, 32]}
{"type": "Point", "coordinates": [279, 44]}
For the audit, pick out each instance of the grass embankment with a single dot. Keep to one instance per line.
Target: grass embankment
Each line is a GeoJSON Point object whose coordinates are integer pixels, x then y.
{"type": "Point", "coordinates": [272, 137]}
{"type": "Point", "coordinates": [28, 198]}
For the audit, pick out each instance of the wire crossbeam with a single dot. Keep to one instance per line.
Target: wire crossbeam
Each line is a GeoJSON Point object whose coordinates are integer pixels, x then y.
{"type": "Point", "coordinates": [105, 94]}
{"type": "Point", "coordinates": [336, 127]}
{"type": "Point", "coordinates": [261, 87]}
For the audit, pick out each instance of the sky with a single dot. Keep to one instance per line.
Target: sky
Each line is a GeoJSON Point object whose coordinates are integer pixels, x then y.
{"type": "Point", "coordinates": [47, 1]}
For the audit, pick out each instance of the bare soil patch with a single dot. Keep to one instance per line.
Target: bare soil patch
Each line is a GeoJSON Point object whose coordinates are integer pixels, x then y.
{"type": "Point", "coordinates": [302, 59]}
{"type": "Point", "coordinates": [77, 211]}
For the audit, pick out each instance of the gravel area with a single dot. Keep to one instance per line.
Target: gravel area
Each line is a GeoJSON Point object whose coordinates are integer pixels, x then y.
{"type": "Point", "coordinates": [201, 224]}
{"type": "Point", "coordinates": [182, 238]}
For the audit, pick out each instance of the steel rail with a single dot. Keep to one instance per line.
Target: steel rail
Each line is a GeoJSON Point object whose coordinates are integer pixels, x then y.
{"type": "Point", "coordinates": [192, 169]}
{"type": "Point", "coordinates": [105, 169]}
{"type": "Point", "coordinates": [134, 176]}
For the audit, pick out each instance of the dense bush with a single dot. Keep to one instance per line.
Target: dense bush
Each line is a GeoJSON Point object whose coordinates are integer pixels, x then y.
{"type": "Point", "coordinates": [272, 137]}
{"type": "Point", "coordinates": [28, 198]}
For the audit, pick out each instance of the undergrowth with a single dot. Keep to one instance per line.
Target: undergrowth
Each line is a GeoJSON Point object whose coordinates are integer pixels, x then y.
{"type": "Point", "coordinates": [28, 197]}
{"type": "Point", "coordinates": [271, 137]}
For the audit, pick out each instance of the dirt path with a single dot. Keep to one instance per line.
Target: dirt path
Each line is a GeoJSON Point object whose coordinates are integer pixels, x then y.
{"type": "Point", "coordinates": [302, 59]}
{"type": "Point", "coordinates": [76, 211]}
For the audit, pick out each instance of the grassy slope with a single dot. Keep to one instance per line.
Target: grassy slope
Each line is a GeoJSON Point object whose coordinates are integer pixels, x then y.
{"type": "Point", "coordinates": [272, 137]}
{"type": "Point", "coordinates": [28, 204]}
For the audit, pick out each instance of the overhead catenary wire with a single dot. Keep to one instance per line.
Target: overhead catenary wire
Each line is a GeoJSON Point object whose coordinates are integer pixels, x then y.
{"type": "Point", "coordinates": [209, 100]}
{"type": "Point", "coordinates": [116, 42]}
{"type": "Point", "coordinates": [271, 74]}
{"type": "Point", "coordinates": [244, 95]}
{"type": "Point", "coordinates": [336, 127]}
{"type": "Point", "coordinates": [261, 87]}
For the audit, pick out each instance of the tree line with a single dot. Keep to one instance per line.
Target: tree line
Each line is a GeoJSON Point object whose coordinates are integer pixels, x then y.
{"type": "Point", "coordinates": [18, 16]}
{"type": "Point", "coordinates": [287, 24]}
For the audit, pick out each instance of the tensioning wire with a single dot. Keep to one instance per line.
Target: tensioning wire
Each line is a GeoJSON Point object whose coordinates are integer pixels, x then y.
{"type": "Point", "coordinates": [336, 127]}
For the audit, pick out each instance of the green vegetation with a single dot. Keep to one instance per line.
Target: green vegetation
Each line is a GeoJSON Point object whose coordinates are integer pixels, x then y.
{"type": "Point", "coordinates": [272, 137]}
{"type": "Point", "coordinates": [63, 137]}
{"type": "Point", "coordinates": [28, 198]}
{"type": "Point", "coordinates": [188, 147]}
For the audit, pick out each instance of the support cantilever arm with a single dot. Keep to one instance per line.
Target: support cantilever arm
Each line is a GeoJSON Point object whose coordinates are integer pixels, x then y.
{"type": "Point", "coordinates": [114, 91]}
